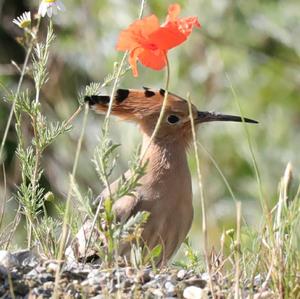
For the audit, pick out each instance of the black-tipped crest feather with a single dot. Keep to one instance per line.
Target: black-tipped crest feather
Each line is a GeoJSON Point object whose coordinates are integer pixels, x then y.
{"type": "Point", "coordinates": [93, 100]}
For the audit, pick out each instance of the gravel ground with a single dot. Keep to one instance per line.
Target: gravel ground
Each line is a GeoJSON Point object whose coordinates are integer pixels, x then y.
{"type": "Point", "coordinates": [24, 275]}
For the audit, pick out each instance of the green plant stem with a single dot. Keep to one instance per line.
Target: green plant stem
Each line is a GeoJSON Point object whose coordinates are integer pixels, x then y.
{"type": "Point", "coordinates": [12, 110]}
{"type": "Point", "coordinates": [119, 71]}
{"type": "Point", "coordinates": [34, 180]}
{"type": "Point", "coordinates": [162, 110]}
{"type": "Point", "coordinates": [16, 222]}
{"type": "Point", "coordinates": [23, 72]}
{"type": "Point", "coordinates": [238, 250]}
{"type": "Point", "coordinates": [4, 195]}
{"type": "Point", "coordinates": [218, 168]}
{"type": "Point", "coordinates": [73, 116]}
{"type": "Point", "coordinates": [214, 162]}
{"type": "Point", "coordinates": [108, 113]}
{"type": "Point", "coordinates": [263, 200]}
{"type": "Point", "coordinates": [68, 202]}
{"type": "Point", "coordinates": [202, 199]}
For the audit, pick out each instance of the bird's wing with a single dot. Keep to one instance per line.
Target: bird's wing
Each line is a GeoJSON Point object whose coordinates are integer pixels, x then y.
{"type": "Point", "coordinates": [123, 206]}
{"type": "Point", "coordinates": [88, 235]}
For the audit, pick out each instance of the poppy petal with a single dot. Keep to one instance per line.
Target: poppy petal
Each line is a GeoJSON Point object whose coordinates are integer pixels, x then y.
{"type": "Point", "coordinates": [167, 38]}
{"type": "Point", "coordinates": [132, 59]}
{"type": "Point", "coordinates": [173, 11]}
{"type": "Point", "coordinates": [126, 41]}
{"type": "Point", "coordinates": [153, 59]}
{"type": "Point", "coordinates": [137, 33]}
{"type": "Point", "coordinates": [185, 25]}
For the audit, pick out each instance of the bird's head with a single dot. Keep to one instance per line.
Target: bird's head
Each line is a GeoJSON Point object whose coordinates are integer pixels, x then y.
{"type": "Point", "coordinates": [143, 107]}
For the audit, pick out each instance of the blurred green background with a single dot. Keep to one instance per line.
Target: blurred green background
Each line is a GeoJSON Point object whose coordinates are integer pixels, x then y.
{"type": "Point", "coordinates": [253, 43]}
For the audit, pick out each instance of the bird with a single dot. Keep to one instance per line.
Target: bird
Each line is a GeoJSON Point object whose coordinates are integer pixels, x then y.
{"type": "Point", "coordinates": [165, 191]}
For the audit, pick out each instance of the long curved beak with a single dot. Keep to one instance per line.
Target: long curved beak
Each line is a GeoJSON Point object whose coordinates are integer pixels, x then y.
{"type": "Point", "coordinates": [206, 116]}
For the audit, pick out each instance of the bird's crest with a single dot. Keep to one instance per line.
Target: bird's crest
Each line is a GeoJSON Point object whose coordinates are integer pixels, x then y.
{"type": "Point", "coordinates": [135, 104]}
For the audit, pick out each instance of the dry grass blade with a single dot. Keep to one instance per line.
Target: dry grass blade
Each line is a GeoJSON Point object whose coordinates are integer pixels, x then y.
{"type": "Point", "coordinates": [66, 214]}
{"type": "Point", "coordinates": [237, 293]}
{"type": "Point", "coordinates": [203, 209]}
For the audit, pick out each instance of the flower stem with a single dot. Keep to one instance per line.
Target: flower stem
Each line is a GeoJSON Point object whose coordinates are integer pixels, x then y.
{"type": "Point", "coordinates": [119, 71]}
{"type": "Point", "coordinates": [162, 111]}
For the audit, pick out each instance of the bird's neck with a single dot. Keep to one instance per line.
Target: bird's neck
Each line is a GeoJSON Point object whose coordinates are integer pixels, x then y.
{"type": "Point", "coordinates": [164, 157]}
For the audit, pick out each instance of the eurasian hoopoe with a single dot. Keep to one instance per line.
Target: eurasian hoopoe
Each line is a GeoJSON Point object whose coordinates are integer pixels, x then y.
{"type": "Point", "coordinates": [166, 188]}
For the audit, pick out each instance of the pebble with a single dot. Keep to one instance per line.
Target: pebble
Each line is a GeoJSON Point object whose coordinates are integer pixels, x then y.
{"type": "Point", "coordinates": [158, 293]}
{"type": "Point", "coordinates": [196, 282]}
{"type": "Point", "coordinates": [130, 272]}
{"type": "Point", "coordinates": [193, 292]}
{"type": "Point", "coordinates": [205, 276]}
{"type": "Point", "coordinates": [144, 276]}
{"type": "Point", "coordinates": [181, 274]}
{"type": "Point", "coordinates": [8, 260]}
{"type": "Point", "coordinates": [170, 289]}
{"type": "Point", "coordinates": [34, 278]}
{"type": "Point", "coordinates": [264, 295]}
{"type": "Point", "coordinates": [98, 297]}
{"type": "Point", "coordinates": [52, 267]}
{"type": "Point", "coordinates": [27, 258]}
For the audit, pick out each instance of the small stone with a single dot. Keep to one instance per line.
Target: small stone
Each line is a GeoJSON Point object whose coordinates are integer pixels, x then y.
{"type": "Point", "coordinates": [181, 274]}
{"type": "Point", "coordinates": [96, 278]}
{"type": "Point", "coordinates": [3, 273]}
{"type": "Point", "coordinates": [94, 273]}
{"type": "Point", "coordinates": [196, 282]}
{"type": "Point", "coordinates": [130, 272]}
{"type": "Point", "coordinates": [258, 280]}
{"type": "Point", "coordinates": [193, 292]}
{"type": "Point", "coordinates": [127, 284]}
{"type": "Point", "coordinates": [144, 276]}
{"type": "Point", "coordinates": [158, 293]}
{"type": "Point", "coordinates": [7, 260]}
{"type": "Point", "coordinates": [33, 274]}
{"type": "Point", "coordinates": [172, 278]}
{"type": "Point", "coordinates": [26, 258]}
{"type": "Point", "coordinates": [170, 289]}
{"type": "Point", "coordinates": [44, 277]}
{"type": "Point", "coordinates": [264, 295]}
{"type": "Point", "coordinates": [205, 276]}
{"type": "Point", "coordinates": [48, 285]}
{"type": "Point", "coordinates": [52, 267]}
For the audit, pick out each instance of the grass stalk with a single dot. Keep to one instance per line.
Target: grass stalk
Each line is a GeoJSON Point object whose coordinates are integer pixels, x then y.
{"type": "Point", "coordinates": [221, 173]}
{"type": "Point", "coordinates": [64, 234]}
{"type": "Point", "coordinates": [11, 286]}
{"type": "Point", "coordinates": [263, 199]}
{"type": "Point", "coordinates": [218, 168]}
{"type": "Point", "coordinates": [23, 72]}
{"type": "Point", "coordinates": [202, 198]}
{"type": "Point", "coordinates": [238, 251]}
{"type": "Point", "coordinates": [2, 211]}
{"type": "Point", "coordinates": [12, 109]}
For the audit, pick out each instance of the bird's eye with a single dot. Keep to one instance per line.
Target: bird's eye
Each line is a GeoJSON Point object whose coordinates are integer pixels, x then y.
{"type": "Point", "coordinates": [173, 119]}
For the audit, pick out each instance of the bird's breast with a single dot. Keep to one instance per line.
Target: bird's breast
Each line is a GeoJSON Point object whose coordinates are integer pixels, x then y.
{"type": "Point", "coordinates": [169, 202]}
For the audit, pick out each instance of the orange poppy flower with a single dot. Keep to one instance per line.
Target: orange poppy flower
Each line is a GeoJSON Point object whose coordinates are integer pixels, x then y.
{"type": "Point", "coordinates": [149, 42]}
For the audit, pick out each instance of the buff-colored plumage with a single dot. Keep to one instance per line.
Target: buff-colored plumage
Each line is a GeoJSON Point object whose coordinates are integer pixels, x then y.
{"type": "Point", "coordinates": [166, 188]}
